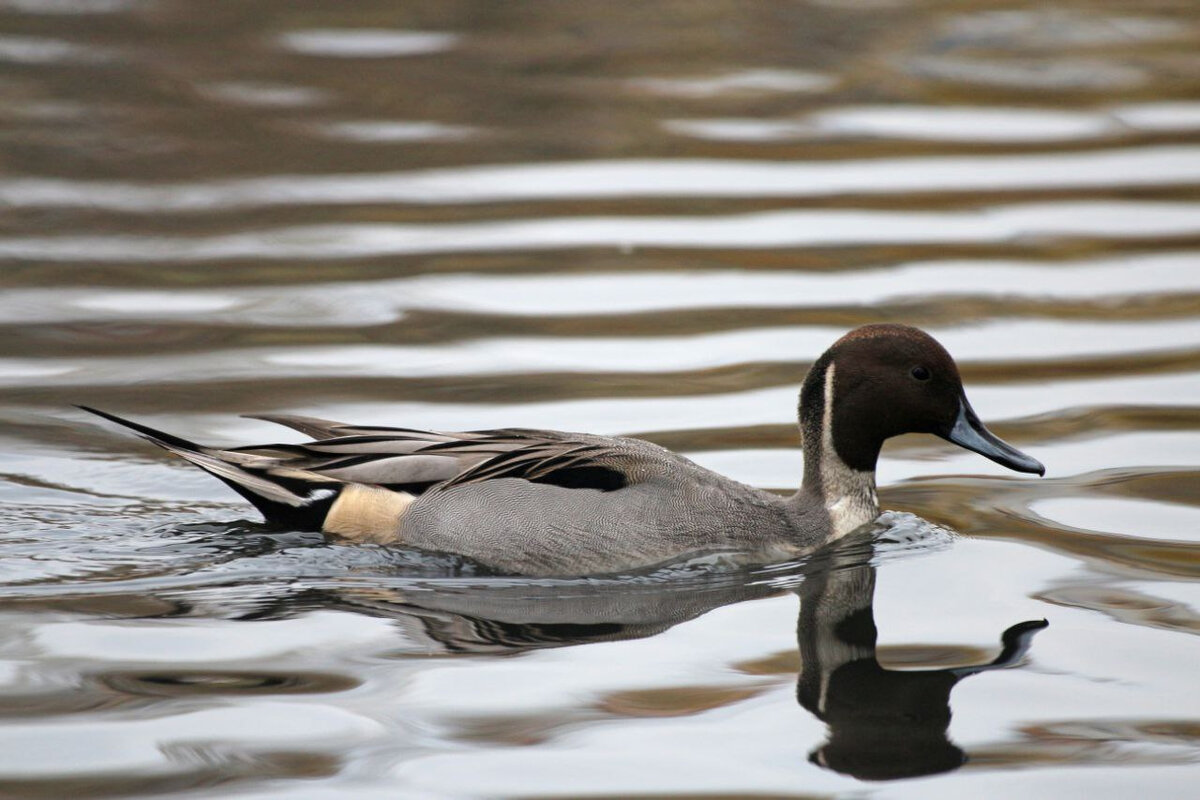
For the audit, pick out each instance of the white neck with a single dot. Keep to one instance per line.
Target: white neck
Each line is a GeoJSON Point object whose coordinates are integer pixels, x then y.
{"type": "Point", "coordinates": [847, 494]}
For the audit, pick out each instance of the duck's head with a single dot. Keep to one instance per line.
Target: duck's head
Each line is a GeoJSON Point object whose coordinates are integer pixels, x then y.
{"type": "Point", "coordinates": [880, 381]}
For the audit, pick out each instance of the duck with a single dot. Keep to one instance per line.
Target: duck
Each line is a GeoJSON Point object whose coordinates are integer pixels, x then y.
{"type": "Point", "coordinates": [553, 503]}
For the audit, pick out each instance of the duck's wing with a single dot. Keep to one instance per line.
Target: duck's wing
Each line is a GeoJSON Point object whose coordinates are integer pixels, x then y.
{"type": "Point", "coordinates": [298, 484]}
{"type": "Point", "coordinates": [415, 461]}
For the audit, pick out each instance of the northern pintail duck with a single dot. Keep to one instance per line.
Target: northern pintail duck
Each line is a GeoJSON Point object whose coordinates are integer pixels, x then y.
{"type": "Point", "coordinates": [540, 502]}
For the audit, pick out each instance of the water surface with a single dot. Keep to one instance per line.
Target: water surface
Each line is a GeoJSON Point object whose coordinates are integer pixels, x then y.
{"type": "Point", "coordinates": [627, 218]}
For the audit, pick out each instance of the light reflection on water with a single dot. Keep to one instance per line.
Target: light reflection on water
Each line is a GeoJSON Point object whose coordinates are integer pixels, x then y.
{"type": "Point", "coordinates": [1163, 166]}
{"type": "Point", "coordinates": [620, 222]}
{"type": "Point", "coordinates": [779, 229]}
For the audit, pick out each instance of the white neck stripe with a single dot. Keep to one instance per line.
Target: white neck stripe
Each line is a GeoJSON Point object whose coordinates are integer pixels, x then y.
{"type": "Point", "coordinates": [847, 494]}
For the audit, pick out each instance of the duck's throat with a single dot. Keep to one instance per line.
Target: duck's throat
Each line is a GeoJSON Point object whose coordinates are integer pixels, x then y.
{"type": "Point", "coordinates": [847, 494]}
{"type": "Point", "coordinates": [849, 499]}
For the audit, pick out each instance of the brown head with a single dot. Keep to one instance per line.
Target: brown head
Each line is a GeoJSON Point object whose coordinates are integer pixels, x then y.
{"type": "Point", "coordinates": [889, 380]}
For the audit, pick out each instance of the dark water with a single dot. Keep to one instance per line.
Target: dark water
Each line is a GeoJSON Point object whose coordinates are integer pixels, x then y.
{"type": "Point", "coordinates": [642, 218]}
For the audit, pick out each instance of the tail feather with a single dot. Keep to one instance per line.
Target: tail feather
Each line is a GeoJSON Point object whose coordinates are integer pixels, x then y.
{"type": "Point", "coordinates": [160, 438]}
{"type": "Point", "coordinates": [276, 501]}
{"type": "Point", "coordinates": [310, 426]}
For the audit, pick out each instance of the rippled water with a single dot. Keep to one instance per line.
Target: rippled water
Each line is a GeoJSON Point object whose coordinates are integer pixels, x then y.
{"type": "Point", "coordinates": [641, 218]}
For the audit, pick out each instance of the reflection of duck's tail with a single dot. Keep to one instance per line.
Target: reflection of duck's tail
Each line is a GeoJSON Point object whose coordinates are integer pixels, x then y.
{"type": "Point", "coordinates": [294, 502]}
{"type": "Point", "coordinates": [1016, 641]}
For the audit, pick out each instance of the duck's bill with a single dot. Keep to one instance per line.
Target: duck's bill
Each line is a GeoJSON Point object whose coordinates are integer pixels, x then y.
{"type": "Point", "coordinates": [970, 433]}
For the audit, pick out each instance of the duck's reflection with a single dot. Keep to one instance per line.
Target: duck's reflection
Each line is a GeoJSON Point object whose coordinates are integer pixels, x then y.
{"type": "Point", "coordinates": [882, 723]}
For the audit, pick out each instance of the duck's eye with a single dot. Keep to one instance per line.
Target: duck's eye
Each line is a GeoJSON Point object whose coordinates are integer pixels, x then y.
{"type": "Point", "coordinates": [921, 373]}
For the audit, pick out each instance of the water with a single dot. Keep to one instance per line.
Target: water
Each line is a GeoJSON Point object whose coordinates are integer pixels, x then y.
{"type": "Point", "coordinates": [621, 218]}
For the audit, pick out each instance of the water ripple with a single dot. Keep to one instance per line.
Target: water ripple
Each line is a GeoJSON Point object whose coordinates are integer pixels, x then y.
{"type": "Point", "coordinates": [367, 43]}
{"type": "Point", "coordinates": [774, 229]}
{"type": "Point", "coordinates": [1162, 166]}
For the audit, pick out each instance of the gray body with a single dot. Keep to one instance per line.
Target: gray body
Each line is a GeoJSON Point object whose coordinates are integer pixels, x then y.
{"type": "Point", "coordinates": [672, 508]}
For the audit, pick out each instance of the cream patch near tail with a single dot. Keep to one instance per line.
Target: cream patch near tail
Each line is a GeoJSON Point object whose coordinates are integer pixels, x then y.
{"type": "Point", "coordinates": [367, 513]}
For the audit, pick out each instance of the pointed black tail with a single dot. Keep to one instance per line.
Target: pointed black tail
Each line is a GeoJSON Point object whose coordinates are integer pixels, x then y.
{"type": "Point", "coordinates": [289, 501]}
